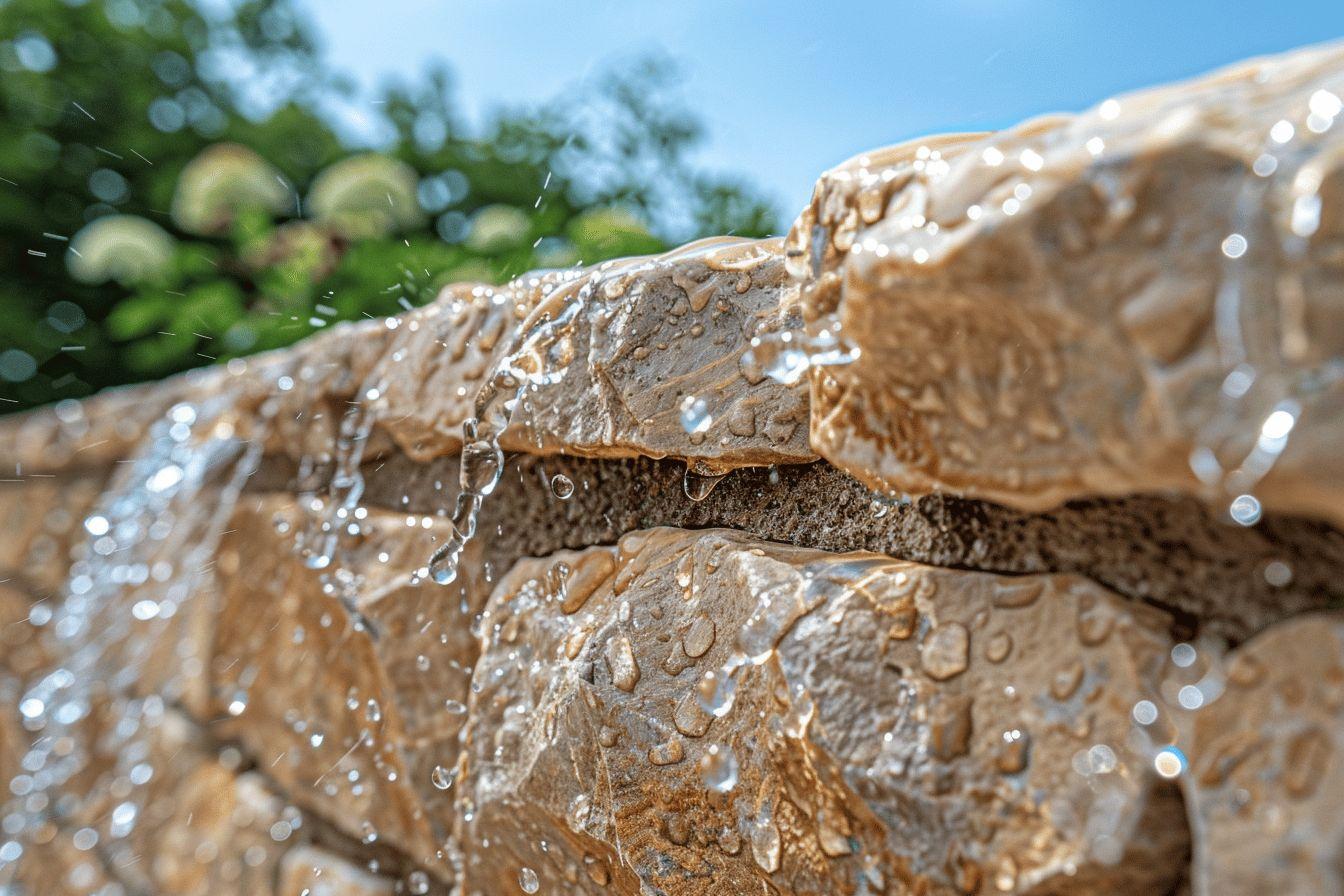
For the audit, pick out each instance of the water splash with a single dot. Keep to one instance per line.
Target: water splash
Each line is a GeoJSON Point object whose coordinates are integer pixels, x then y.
{"type": "Point", "coordinates": [338, 513]}
{"type": "Point", "coordinates": [540, 354]}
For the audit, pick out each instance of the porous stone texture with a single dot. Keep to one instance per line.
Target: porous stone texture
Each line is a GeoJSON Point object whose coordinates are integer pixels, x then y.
{"type": "Point", "coordinates": [891, 558]}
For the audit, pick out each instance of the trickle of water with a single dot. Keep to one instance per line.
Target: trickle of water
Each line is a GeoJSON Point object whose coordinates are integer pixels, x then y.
{"type": "Point", "coordinates": [337, 514]}
{"type": "Point", "coordinates": [540, 354]}
{"type": "Point", "coordinates": [108, 638]}
{"type": "Point", "coordinates": [482, 465]}
{"type": "Point", "coordinates": [1259, 325]}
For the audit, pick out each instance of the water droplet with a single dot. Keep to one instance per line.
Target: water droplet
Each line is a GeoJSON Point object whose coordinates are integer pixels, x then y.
{"type": "Point", "coordinates": [945, 651]}
{"type": "Point", "coordinates": [620, 658]}
{"type": "Point", "coordinates": [695, 415]}
{"type": "Point", "coordinates": [527, 880]}
{"type": "Point", "coordinates": [718, 768]}
{"type": "Point", "coordinates": [418, 883]}
{"type": "Point", "coordinates": [580, 809]}
{"type": "Point", "coordinates": [1245, 510]}
{"type": "Point", "coordinates": [1169, 762]}
{"type": "Point", "coordinates": [1307, 761]}
{"type": "Point", "coordinates": [669, 752]}
{"type": "Point", "coordinates": [765, 842]}
{"type": "Point", "coordinates": [716, 691]}
{"type": "Point", "coordinates": [1016, 594]}
{"type": "Point", "coordinates": [442, 778]}
{"type": "Point", "coordinates": [699, 637]}
{"type": "Point", "coordinates": [697, 486]}
{"type": "Point", "coordinates": [1000, 644]}
{"type": "Point", "coordinates": [562, 486]}
{"type": "Point", "coordinates": [1067, 680]}
{"type": "Point", "coordinates": [1145, 712]}
{"type": "Point", "coordinates": [1014, 748]}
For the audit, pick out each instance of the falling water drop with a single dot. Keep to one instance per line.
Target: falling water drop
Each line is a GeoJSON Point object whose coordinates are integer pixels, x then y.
{"type": "Point", "coordinates": [562, 486]}
{"type": "Point", "coordinates": [442, 778]}
{"type": "Point", "coordinates": [1245, 510]}
{"type": "Point", "coordinates": [697, 486]}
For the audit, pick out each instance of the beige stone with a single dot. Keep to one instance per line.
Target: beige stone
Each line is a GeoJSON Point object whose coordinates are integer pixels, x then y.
{"type": "Point", "coordinates": [1265, 776]}
{"type": "Point", "coordinates": [315, 872]}
{"type": "Point", "coordinates": [712, 714]}
{"type": "Point", "coordinates": [646, 677]}
{"type": "Point", "coordinates": [1055, 311]}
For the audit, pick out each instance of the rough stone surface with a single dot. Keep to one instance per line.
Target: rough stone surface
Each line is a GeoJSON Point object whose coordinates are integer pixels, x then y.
{"type": "Point", "coordinates": [226, 670]}
{"type": "Point", "coordinates": [648, 354]}
{"type": "Point", "coordinates": [1264, 761]}
{"type": "Point", "coordinates": [1142, 297]}
{"type": "Point", "coordinates": [715, 714]}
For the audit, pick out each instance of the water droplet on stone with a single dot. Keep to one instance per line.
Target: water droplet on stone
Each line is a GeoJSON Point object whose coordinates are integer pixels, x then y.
{"type": "Point", "coordinates": [718, 768]}
{"type": "Point", "coordinates": [620, 657]}
{"type": "Point", "coordinates": [945, 651]}
{"type": "Point", "coordinates": [765, 842]}
{"type": "Point", "coordinates": [1014, 749]}
{"type": "Point", "coordinates": [699, 637]}
{"type": "Point", "coordinates": [580, 808]}
{"type": "Point", "coordinates": [695, 415]}
{"type": "Point", "coordinates": [669, 752]}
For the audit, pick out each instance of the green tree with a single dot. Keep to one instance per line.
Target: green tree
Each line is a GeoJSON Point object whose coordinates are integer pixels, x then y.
{"type": "Point", "coordinates": [171, 195]}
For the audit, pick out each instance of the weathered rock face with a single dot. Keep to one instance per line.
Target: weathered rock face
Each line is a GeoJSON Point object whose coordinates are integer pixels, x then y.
{"type": "Point", "coordinates": [683, 655]}
{"type": "Point", "coordinates": [719, 714]}
{"type": "Point", "coordinates": [1141, 297]}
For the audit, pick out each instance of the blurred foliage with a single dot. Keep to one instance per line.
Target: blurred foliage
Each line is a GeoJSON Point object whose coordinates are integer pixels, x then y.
{"type": "Point", "coordinates": [171, 195]}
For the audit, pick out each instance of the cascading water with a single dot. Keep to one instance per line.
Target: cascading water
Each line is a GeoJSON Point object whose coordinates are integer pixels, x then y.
{"type": "Point", "coordinates": [120, 631]}
{"type": "Point", "coordinates": [540, 355]}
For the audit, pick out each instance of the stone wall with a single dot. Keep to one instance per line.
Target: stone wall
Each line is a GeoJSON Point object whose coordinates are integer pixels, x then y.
{"type": "Point", "coordinates": [981, 536]}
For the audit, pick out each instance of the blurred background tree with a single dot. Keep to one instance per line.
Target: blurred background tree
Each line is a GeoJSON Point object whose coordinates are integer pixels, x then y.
{"type": "Point", "coordinates": [171, 193]}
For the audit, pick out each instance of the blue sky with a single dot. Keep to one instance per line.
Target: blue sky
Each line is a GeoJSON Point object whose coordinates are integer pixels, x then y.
{"type": "Point", "coordinates": [789, 88]}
